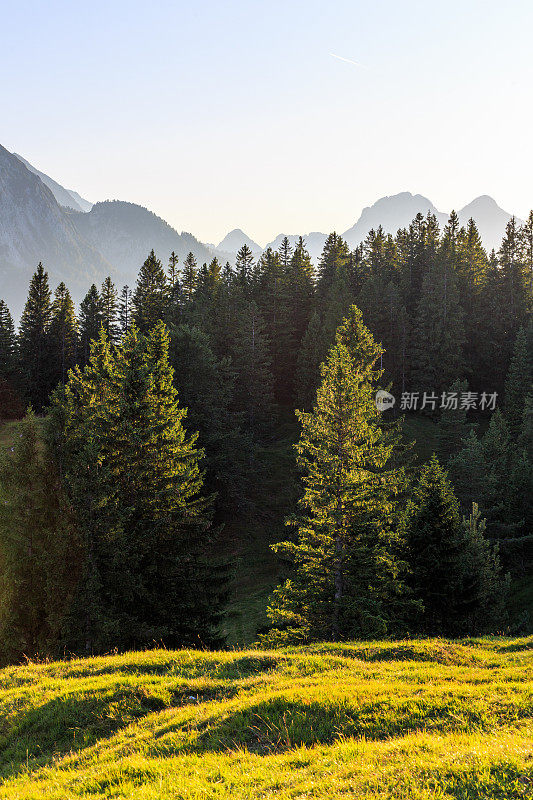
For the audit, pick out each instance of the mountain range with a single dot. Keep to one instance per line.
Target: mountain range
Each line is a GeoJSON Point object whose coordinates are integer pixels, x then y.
{"type": "Point", "coordinates": [81, 243]}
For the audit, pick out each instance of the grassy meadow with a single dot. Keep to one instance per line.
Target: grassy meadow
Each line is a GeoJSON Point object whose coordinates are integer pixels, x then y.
{"type": "Point", "coordinates": [411, 719]}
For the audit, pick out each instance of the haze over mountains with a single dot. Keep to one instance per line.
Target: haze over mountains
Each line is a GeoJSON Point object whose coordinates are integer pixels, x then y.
{"type": "Point", "coordinates": [81, 243]}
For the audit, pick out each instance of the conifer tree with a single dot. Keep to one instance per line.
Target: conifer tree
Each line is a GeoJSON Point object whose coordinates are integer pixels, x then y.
{"type": "Point", "coordinates": [125, 311]}
{"type": "Point", "coordinates": [33, 342]}
{"type": "Point", "coordinates": [91, 320]}
{"type": "Point", "coordinates": [189, 277]}
{"type": "Point", "coordinates": [308, 365]}
{"type": "Point", "coordinates": [335, 255]}
{"type": "Point", "coordinates": [109, 300]}
{"type": "Point", "coordinates": [249, 350]}
{"type": "Point", "coordinates": [453, 571]}
{"type": "Point", "coordinates": [346, 580]}
{"type": "Point", "coordinates": [119, 429]}
{"type": "Point", "coordinates": [39, 550]}
{"type": "Point", "coordinates": [244, 266]}
{"type": "Point", "coordinates": [452, 428]}
{"type": "Point", "coordinates": [10, 405]}
{"type": "Point", "coordinates": [62, 336]}
{"type": "Point", "coordinates": [150, 297]}
{"type": "Point", "coordinates": [519, 383]}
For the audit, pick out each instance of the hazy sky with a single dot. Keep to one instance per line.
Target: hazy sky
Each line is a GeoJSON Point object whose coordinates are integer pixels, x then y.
{"type": "Point", "coordinates": [218, 115]}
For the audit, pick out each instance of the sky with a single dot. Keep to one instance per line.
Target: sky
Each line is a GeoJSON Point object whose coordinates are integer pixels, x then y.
{"type": "Point", "coordinates": [272, 116]}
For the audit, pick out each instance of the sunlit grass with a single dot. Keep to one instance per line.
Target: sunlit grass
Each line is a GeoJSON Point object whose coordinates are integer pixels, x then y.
{"type": "Point", "coordinates": [413, 719]}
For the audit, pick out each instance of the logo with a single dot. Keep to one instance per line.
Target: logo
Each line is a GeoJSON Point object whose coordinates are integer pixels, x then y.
{"type": "Point", "coordinates": [384, 400]}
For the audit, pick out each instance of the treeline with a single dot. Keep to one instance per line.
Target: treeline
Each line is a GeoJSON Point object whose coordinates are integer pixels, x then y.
{"type": "Point", "coordinates": [242, 347]}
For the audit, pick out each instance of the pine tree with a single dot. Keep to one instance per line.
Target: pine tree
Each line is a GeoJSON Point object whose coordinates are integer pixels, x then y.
{"type": "Point", "coordinates": [519, 383]}
{"type": "Point", "coordinates": [39, 550]}
{"type": "Point", "coordinates": [189, 277]}
{"type": "Point", "coordinates": [308, 365]}
{"type": "Point", "coordinates": [335, 256]}
{"type": "Point", "coordinates": [453, 571]}
{"type": "Point", "coordinates": [119, 430]}
{"type": "Point", "coordinates": [244, 266]}
{"type": "Point", "coordinates": [91, 320]}
{"type": "Point", "coordinates": [109, 299]}
{"type": "Point", "coordinates": [249, 350]}
{"type": "Point", "coordinates": [33, 339]}
{"type": "Point", "coordinates": [205, 386]}
{"type": "Point", "coordinates": [125, 311]}
{"type": "Point", "coordinates": [150, 296]}
{"type": "Point", "coordinates": [10, 379]}
{"type": "Point", "coordinates": [62, 336]}
{"type": "Point", "coordinates": [346, 579]}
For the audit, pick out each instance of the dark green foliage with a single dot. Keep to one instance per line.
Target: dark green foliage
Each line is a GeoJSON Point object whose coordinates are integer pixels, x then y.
{"type": "Point", "coordinates": [125, 311]}
{"type": "Point", "coordinates": [453, 429]}
{"type": "Point", "coordinates": [90, 322]}
{"type": "Point", "coordinates": [346, 581]}
{"type": "Point", "coordinates": [454, 572]}
{"type": "Point", "coordinates": [150, 296]}
{"type": "Point", "coordinates": [33, 339]}
{"type": "Point", "coordinates": [205, 386]}
{"type": "Point", "coordinates": [519, 382]}
{"type": "Point", "coordinates": [62, 337]}
{"type": "Point", "coordinates": [110, 310]}
{"type": "Point", "coordinates": [10, 401]}
{"type": "Point", "coordinates": [39, 550]}
{"type": "Point", "coordinates": [132, 474]}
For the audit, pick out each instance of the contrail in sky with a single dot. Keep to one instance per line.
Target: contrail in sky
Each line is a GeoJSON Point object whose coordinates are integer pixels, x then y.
{"type": "Point", "coordinates": [349, 61]}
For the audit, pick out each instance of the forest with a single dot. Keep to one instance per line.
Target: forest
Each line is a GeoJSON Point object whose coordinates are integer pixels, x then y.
{"type": "Point", "coordinates": [158, 430]}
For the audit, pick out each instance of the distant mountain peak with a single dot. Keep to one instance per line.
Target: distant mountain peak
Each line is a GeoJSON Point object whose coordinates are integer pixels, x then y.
{"type": "Point", "coordinates": [65, 197]}
{"type": "Point", "coordinates": [235, 239]}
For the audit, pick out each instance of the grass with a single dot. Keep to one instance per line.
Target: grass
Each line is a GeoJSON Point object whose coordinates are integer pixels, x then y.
{"type": "Point", "coordinates": [412, 719]}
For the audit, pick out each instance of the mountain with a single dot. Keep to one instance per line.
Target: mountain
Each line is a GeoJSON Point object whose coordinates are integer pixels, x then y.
{"type": "Point", "coordinates": [234, 240]}
{"type": "Point", "coordinates": [392, 213]}
{"type": "Point", "coordinates": [33, 228]}
{"type": "Point", "coordinates": [124, 234]}
{"type": "Point", "coordinates": [65, 197]}
{"type": "Point", "coordinates": [489, 217]}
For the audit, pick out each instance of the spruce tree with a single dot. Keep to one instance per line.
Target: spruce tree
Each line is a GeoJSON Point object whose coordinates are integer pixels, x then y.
{"type": "Point", "coordinates": [120, 432]}
{"type": "Point", "coordinates": [10, 379]}
{"type": "Point", "coordinates": [519, 383]}
{"type": "Point", "coordinates": [189, 277]}
{"type": "Point", "coordinates": [33, 341]}
{"type": "Point", "coordinates": [62, 336]}
{"type": "Point", "coordinates": [453, 570]}
{"type": "Point", "coordinates": [346, 580]}
{"type": "Point", "coordinates": [109, 300]}
{"type": "Point", "coordinates": [90, 322]}
{"type": "Point", "coordinates": [150, 297]}
{"type": "Point", "coordinates": [125, 311]}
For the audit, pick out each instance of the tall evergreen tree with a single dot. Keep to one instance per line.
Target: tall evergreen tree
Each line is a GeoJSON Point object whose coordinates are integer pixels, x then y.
{"type": "Point", "coordinates": [33, 341]}
{"type": "Point", "coordinates": [189, 277]}
{"type": "Point", "coordinates": [148, 530]}
{"type": "Point", "coordinates": [62, 336]}
{"type": "Point", "coordinates": [91, 320]}
{"type": "Point", "coordinates": [125, 311]}
{"type": "Point", "coordinates": [346, 580]}
{"type": "Point", "coordinates": [453, 571]}
{"type": "Point", "coordinates": [150, 297]}
{"type": "Point", "coordinates": [519, 383]}
{"type": "Point", "coordinates": [109, 298]}
{"type": "Point", "coordinates": [10, 380]}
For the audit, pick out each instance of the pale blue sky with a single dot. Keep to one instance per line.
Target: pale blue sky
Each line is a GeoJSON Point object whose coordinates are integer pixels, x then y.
{"type": "Point", "coordinates": [218, 115]}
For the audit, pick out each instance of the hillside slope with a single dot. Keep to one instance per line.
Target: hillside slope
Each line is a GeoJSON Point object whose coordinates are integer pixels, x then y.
{"type": "Point", "coordinates": [417, 719]}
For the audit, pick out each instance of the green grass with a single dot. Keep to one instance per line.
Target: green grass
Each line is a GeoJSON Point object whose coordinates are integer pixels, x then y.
{"type": "Point", "coordinates": [411, 719]}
